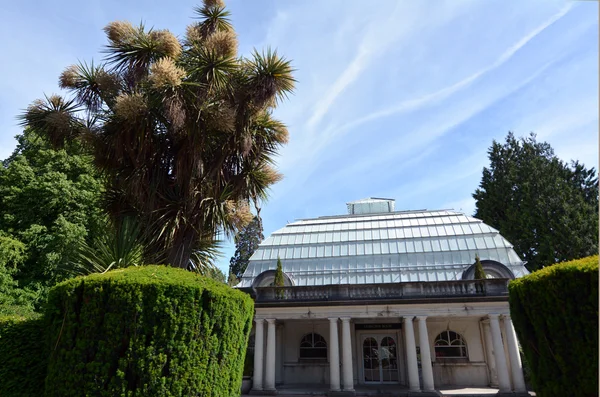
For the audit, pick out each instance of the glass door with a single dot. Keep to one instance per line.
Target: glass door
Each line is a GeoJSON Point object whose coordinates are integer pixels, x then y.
{"type": "Point", "coordinates": [380, 359]}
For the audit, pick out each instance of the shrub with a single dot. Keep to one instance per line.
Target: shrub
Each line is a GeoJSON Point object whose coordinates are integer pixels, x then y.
{"type": "Point", "coordinates": [146, 331]}
{"type": "Point", "coordinates": [22, 356]}
{"type": "Point", "coordinates": [555, 314]}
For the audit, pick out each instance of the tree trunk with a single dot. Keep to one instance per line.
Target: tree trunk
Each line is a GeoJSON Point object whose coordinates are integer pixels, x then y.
{"type": "Point", "coordinates": [181, 251]}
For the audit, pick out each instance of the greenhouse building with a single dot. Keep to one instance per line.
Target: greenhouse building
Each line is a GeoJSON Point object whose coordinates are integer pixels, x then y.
{"type": "Point", "coordinates": [384, 301]}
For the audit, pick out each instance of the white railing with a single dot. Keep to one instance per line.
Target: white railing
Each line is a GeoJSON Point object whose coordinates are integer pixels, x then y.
{"type": "Point", "coordinates": [407, 290]}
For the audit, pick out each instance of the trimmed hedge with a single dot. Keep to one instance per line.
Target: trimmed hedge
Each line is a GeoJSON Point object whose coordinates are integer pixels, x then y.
{"type": "Point", "coordinates": [555, 315]}
{"type": "Point", "coordinates": [146, 331]}
{"type": "Point", "coordinates": [22, 356]}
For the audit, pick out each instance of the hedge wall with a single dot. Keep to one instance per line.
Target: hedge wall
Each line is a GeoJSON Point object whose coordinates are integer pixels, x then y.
{"type": "Point", "coordinates": [146, 331]}
{"type": "Point", "coordinates": [555, 314]}
{"type": "Point", "coordinates": [22, 356]}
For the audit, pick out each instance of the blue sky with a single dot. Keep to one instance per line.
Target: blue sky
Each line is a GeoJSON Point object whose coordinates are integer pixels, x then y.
{"type": "Point", "coordinates": [396, 99]}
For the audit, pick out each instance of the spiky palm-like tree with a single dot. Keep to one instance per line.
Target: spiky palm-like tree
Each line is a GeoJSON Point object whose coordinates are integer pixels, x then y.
{"type": "Point", "coordinates": [183, 130]}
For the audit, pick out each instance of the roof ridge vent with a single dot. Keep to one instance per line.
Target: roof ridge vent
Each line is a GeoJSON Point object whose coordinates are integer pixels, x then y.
{"type": "Point", "coordinates": [371, 205]}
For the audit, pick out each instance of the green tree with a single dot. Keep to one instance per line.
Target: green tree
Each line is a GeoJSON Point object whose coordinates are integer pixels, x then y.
{"type": "Point", "coordinates": [479, 272]}
{"type": "Point", "coordinates": [183, 131]}
{"type": "Point", "coordinates": [547, 208]}
{"type": "Point", "coordinates": [246, 242]}
{"type": "Point", "coordinates": [49, 203]}
{"type": "Point", "coordinates": [279, 280]}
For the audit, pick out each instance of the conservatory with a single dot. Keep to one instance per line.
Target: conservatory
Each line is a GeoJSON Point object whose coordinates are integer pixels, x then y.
{"type": "Point", "coordinates": [379, 299]}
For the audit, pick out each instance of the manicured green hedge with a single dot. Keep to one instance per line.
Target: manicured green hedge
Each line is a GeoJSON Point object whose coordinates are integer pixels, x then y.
{"type": "Point", "coordinates": [146, 331]}
{"type": "Point", "coordinates": [22, 356]}
{"type": "Point", "coordinates": [555, 314]}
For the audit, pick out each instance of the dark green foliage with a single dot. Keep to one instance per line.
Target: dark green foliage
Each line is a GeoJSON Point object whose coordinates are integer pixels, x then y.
{"type": "Point", "coordinates": [479, 272]}
{"type": "Point", "coordinates": [546, 208]}
{"type": "Point", "coordinates": [49, 203]}
{"type": "Point", "coordinates": [555, 314]}
{"type": "Point", "coordinates": [23, 356]}
{"type": "Point", "coordinates": [13, 299]}
{"type": "Point", "coordinates": [246, 242]}
{"type": "Point", "coordinates": [279, 280]}
{"type": "Point", "coordinates": [146, 331]}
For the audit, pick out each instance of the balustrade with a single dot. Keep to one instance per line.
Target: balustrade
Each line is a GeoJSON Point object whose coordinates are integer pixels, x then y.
{"type": "Point", "coordinates": [407, 290]}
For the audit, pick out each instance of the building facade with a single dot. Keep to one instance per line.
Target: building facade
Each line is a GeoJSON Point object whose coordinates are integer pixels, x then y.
{"type": "Point", "coordinates": [380, 298]}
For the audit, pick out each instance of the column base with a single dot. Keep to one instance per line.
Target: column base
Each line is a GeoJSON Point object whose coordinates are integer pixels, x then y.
{"type": "Point", "coordinates": [513, 394]}
{"type": "Point", "coordinates": [429, 393]}
{"type": "Point", "coordinates": [263, 392]}
{"type": "Point", "coordinates": [341, 393]}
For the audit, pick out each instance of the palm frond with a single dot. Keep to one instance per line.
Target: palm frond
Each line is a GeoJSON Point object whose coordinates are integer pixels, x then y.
{"type": "Point", "coordinates": [213, 18]}
{"type": "Point", "coordinates": [270, 76]}
{"type": "Point", "coordinates": [92, 84]}
{"type": "Point", "coordinates": [207, 67]}
{"type": "Point", "coordinates": [55, 118]}
{"type": "Point", "coordinates": [121, 246]}
{"type": "Point", "coordinates": [205, 255]}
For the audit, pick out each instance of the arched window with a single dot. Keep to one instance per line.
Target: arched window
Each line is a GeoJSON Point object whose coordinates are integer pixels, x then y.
{"type": "Point", "coordinates": [313, 346]}
{"type": "Point", "coordinates": [450, 344]}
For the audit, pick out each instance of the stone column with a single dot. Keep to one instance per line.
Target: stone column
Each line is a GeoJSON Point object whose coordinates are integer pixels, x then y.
{"type": "Point", "coordinates": [489, 350]}
{"type": "Point", "coordinates": [334, 355]}
{"type": "Point", "coordinates": [270, 367]}
{"type": "Point", "coordinates": [516, 366]}
{"type": "Point", "coordinates": [348, 381]}
{"type": "Point", "coordinates": [411, 354]}
{"type": "Point", "coordinates": [259, 340]}
{"type": "Point", "coordinates": [501, 366]}
{"type": "Point", "coordinates": [425, 354]}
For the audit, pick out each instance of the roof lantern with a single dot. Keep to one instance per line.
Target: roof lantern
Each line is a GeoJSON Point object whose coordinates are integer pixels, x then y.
{"type": "Point", "coordinates": [372, 205]}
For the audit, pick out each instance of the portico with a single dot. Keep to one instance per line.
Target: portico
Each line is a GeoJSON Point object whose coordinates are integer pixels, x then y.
{"type": "Point", "coordinates": [392, 342]}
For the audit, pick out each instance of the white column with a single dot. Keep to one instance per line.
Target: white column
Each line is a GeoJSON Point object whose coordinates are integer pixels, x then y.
{"type": "Point", "coordinates": [334, 355]}
{"type": "Point", "coordinates": [489, 349]}
{"type": "Point", "coordinates": [270, 368]}
{"type": "Point", "coordinates": [411, 354]}
{"type": "Point", "coordinates": [501, 366]}
{"type": "Point", "coordinates": [425, 354]}
{"type": "Point", "coordinates": [259, 340]}
{"type": "Point", "coordinates": [516, 366]}
{"type": "Point", "coordinates": [348, 381]}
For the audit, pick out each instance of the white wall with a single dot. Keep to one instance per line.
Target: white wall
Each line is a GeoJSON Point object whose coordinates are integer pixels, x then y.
{"type": "Point", "coordinates": [459, 372]}
{"type": "Point", "coordinates": [297, 371]}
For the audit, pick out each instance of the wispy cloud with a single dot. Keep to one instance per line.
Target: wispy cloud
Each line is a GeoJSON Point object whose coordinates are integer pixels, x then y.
{"type": "Point", "coordinates": [446, 92]}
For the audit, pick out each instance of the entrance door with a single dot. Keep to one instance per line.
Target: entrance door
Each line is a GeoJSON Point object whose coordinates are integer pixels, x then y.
{"type": "Point", "coordinates": [380, 358]}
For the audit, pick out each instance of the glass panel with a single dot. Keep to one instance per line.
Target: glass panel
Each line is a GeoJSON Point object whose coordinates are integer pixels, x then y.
{"type": "Point", "coordinates": [377, 247]}
{"type": "Point", "coordinates": [388, 360]}
{"type": "Point", "coordinates": [376, 235]}
{"type": "Point", "coordinates": [416, 232]}
{"type": "Point", "coordinates": [371, 360]}
{"type": "Point", "coordinates": [435, 245]}
{"type": "Point", "coordinates": [368, 248]}
{"type": "Point", "coordinates": [466, 229]}
{"type": "Point", "coordinates": [401, 247]}
{"type": "Point", "coordinates": [328, 250]}
{"type": "Point", "coordinates": [305, 252]}
{"type": "Point", "coordinates": [352, 249]}
{"type": "Point", "coordinates": [385, 248]}
{"type": "Point", "coordinates": [408, 233]}
{"type": "Point", "coordinates": [360, 248]}
{"type": "Point", "coordinates": [320, 251]}
{"type": "Point", "coordinates": [418, 246]}
{"type": "Point", "coordinates": [427, 246]}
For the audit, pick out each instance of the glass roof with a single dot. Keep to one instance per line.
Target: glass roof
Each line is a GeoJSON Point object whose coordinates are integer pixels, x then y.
{"type": "Point", "coordinates": [380, 248]}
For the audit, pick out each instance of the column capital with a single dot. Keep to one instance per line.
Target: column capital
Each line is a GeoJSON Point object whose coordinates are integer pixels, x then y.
{"type": "Point", "coordinates": [493, 316]}
{"type": "Point", "coordinates": [259, 320]}
{"type": "Point", "coordinates": [345, 319]}
{"type": "Point", "coordinates": [421, 318]}
{"type": "Point", "coordinates": [506, 317]}
{"type": "Point", "coordinates": [271, 320]}
{"type": "Point", "coordinates": [333, 319]}
{"type": "Point", "coordinates": [408, 318]}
